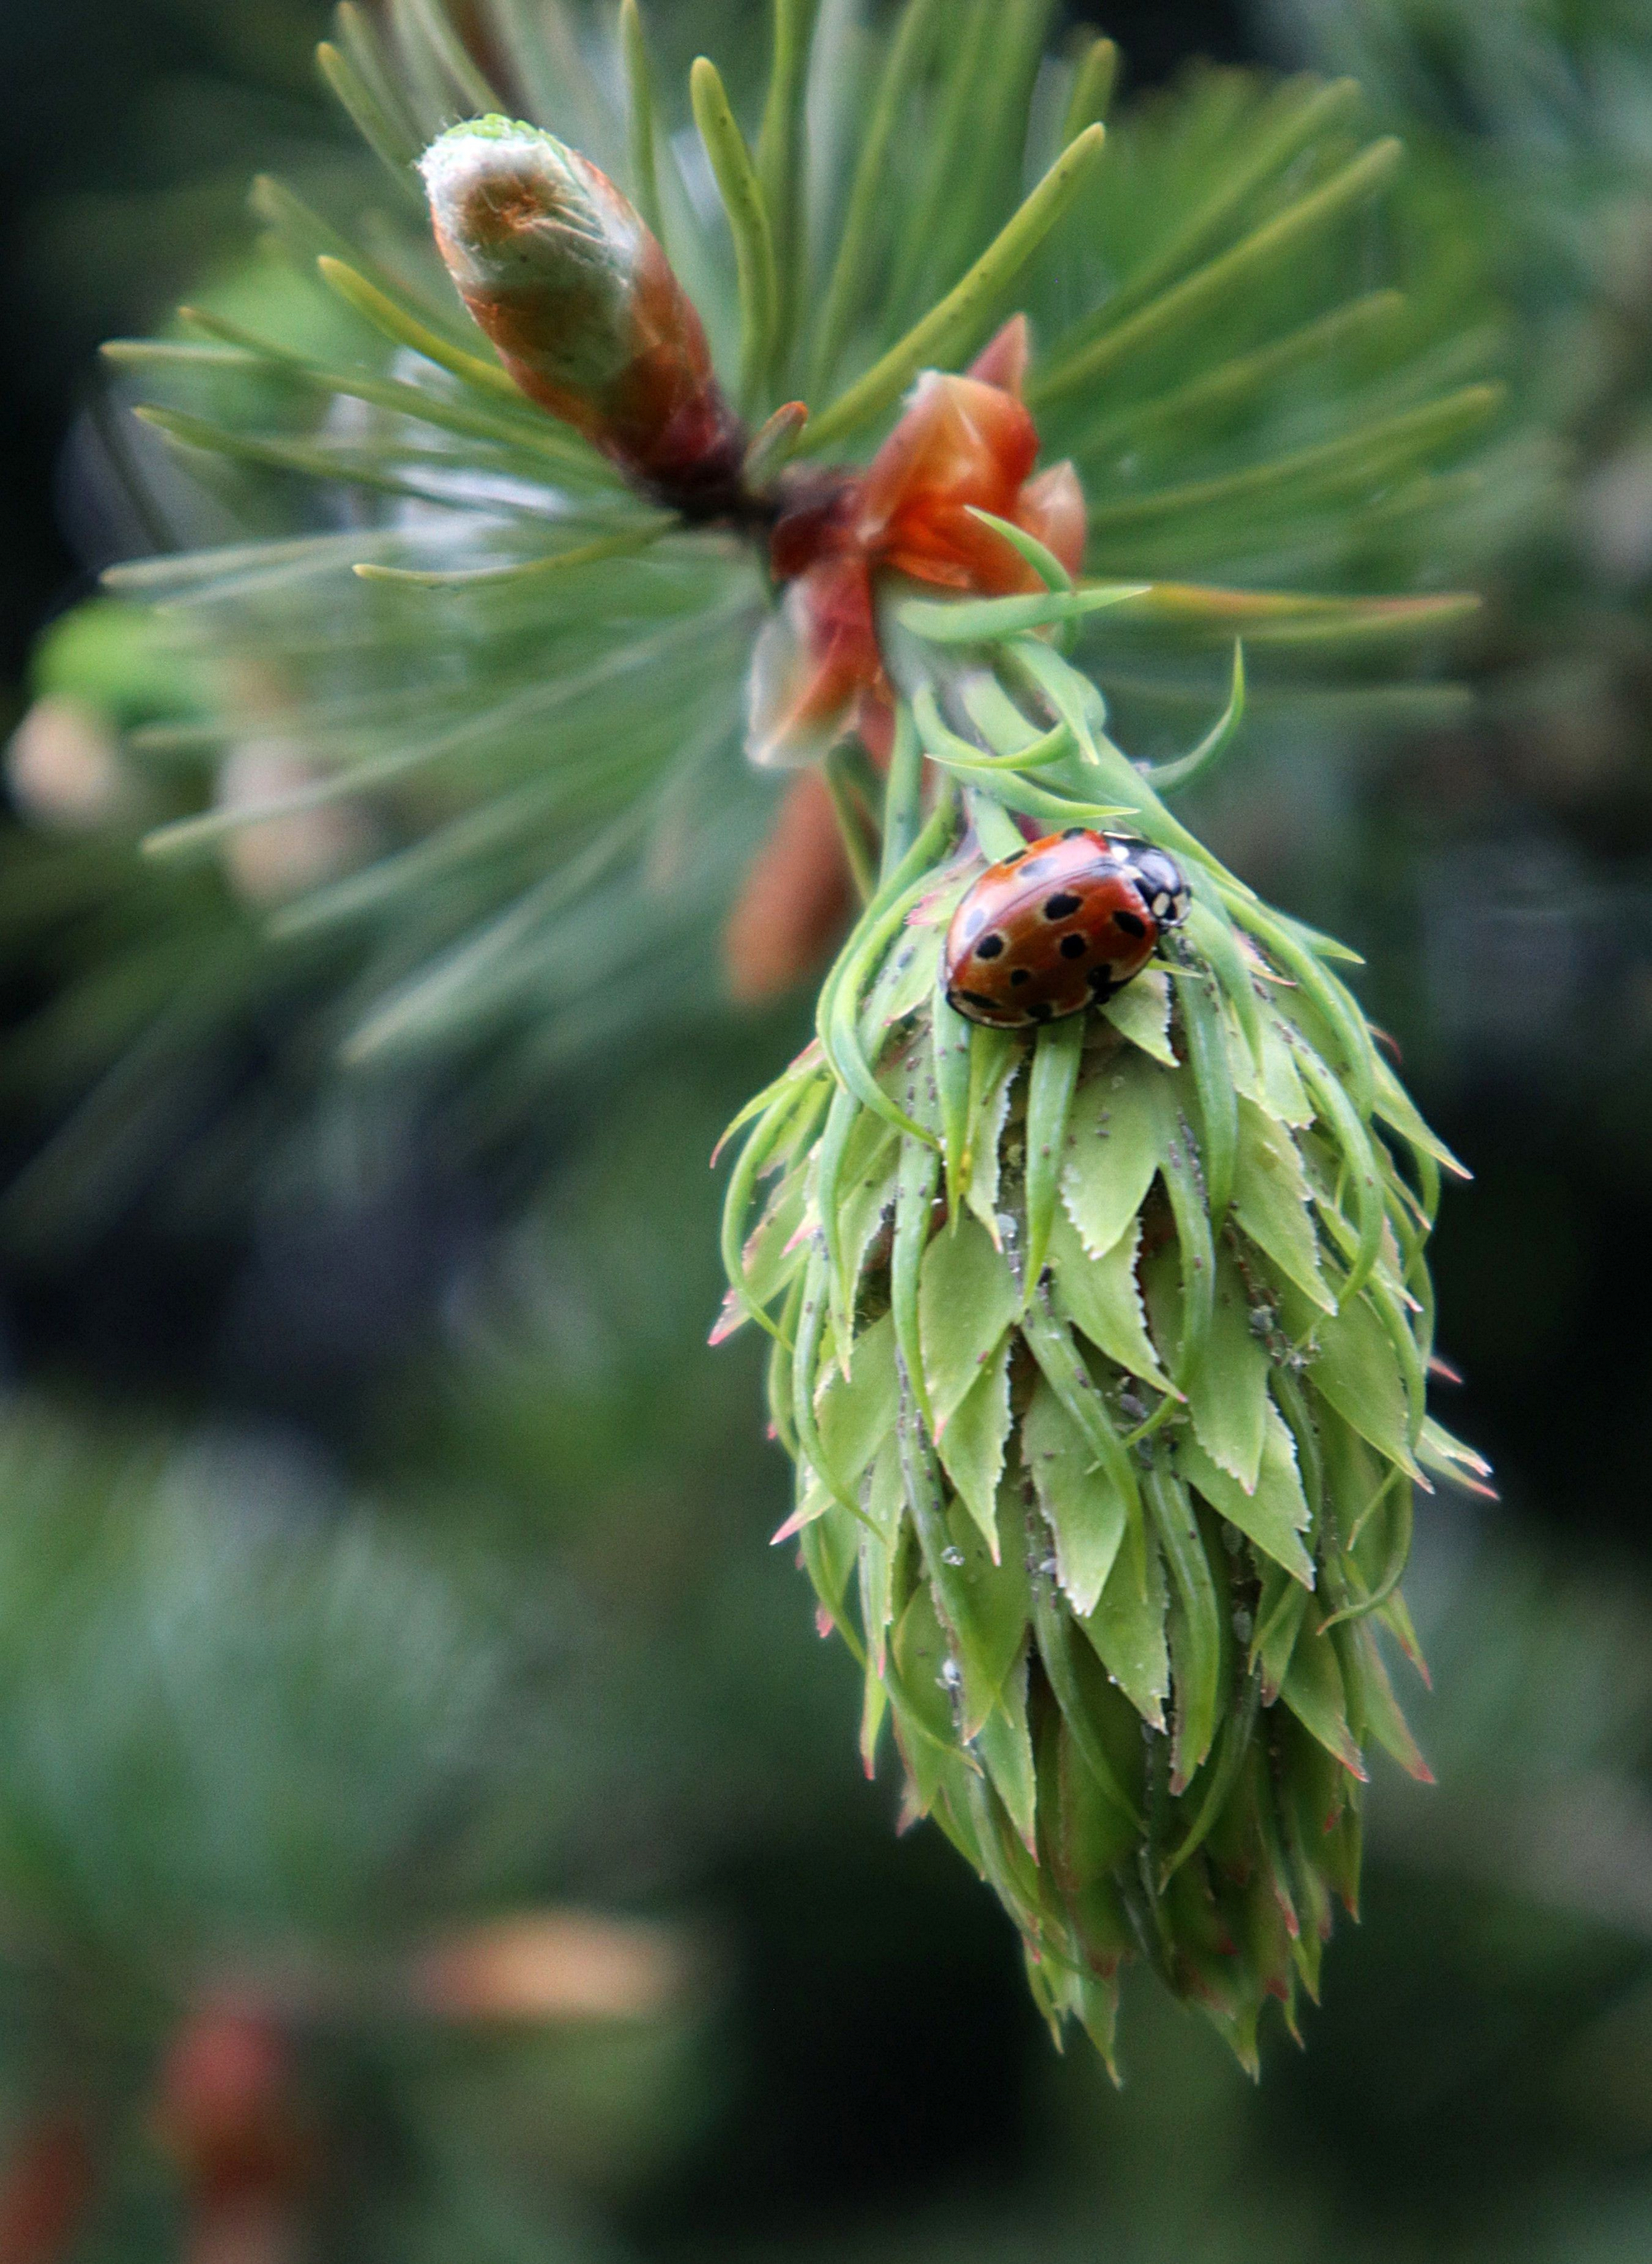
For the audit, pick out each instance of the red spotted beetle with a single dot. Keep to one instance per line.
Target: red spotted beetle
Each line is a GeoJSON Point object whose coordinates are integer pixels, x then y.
{"type": "Point", "coordinates": [1061, 925]}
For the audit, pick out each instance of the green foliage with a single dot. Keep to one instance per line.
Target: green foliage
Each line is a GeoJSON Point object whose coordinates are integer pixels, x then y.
{"type": "Point", "coordinates": [481, 706]}
{"type": "Point", "coordinates": [1488, 2027]}
{"type": "Point", "coordinates": [1105, 1464]}
{"type": "Point", "coordinates": [200, 1694]}
{"type": "Point", "coordinates": [535, 699]}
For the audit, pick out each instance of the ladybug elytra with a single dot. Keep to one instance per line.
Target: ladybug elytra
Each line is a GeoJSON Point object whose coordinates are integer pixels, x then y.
{"type": "Point", "coordinates": [1062, 925]}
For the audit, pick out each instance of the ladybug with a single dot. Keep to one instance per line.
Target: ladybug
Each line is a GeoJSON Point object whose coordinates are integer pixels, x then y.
{"type": "Point", "coordinates": [1062, 925]}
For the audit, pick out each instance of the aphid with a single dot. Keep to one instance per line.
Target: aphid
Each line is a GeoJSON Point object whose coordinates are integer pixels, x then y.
{"type": "Point", "coordinates": [1062, 925]}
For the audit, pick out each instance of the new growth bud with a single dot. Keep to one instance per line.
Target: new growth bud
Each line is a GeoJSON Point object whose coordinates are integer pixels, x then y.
{"type": "Point", "coordinates": [580, 301]}
{"type": "Point", "coordinates": [964, 445]}
{"type": "Point", "coordinates": [1100, 1348]}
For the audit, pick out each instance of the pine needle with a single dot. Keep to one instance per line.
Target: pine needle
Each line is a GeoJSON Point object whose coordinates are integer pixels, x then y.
{"type": "Point", "coordinates": [639, 116]}
{"type": "Point", "coordinates": [1357, 458]}
{"type": "Point", "coordinates": [1186, 300]}
{"type": "Point", "coordinates": [780, 158]}
{"type": "Point", "coordinates": [1095, 76]}
{"type": "Point", "coordinates": [870, 187]}
{"type": "Point", "coordinates": [529, 570]}
{"type": "Point", "coordinates": [394, 322]}
{"type": "Point", "coordinates": [388, 138]}
{"type": "Point", "coordinates": [469, 81]}
{"type": "Point", "coordinates": [962, 316]}
{"type": "Point", "coordinates": [749, 222]}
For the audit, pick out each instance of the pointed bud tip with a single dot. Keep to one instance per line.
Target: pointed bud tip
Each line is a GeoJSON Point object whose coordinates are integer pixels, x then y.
{"type": "Point", "coordinates": [477, 140]}
{"type": "Point", "coordinates": [481, 151]}
{"type": "Point", "coordinates": [500, 191]}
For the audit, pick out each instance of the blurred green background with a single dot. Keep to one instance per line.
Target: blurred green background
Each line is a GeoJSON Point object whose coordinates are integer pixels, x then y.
{"type": "Point", "coordinates": [426, 1816]}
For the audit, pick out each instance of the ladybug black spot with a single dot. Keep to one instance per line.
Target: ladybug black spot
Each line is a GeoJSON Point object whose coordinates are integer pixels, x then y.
{"type": "Point", "coordinates": [1020, 974]}
{"type": "Point", "coordinates": [1101, 981]}
{"type": "Point", "coordinates": [1041, 1011]}
{"type": "Point", "coordinates": [1075, 833]}
{"type": "Point", "coordinates": [989, 946]}
{"type": "Point", "coordinates": [1132, 923]}
{"type": "Point", "coordinates": [1015, 859]}
{"type": "Point", "coordinates": [1074, 946]}
{"type": "Point", "coordinates": [1061, 906]}
{"type": "Point", "coordinates": [972, 998]}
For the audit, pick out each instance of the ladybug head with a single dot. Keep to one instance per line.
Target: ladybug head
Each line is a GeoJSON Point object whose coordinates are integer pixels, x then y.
{"type": "Point", "coordinates": [1160, 878]}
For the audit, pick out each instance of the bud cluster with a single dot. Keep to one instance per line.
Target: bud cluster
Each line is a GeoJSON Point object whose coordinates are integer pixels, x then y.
{"type": "Point", "coordinates": [930, 508]}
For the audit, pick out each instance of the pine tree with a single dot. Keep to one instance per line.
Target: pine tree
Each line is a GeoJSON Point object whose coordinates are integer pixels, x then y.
{"type": "Point", "coordinates": [1172, 328]}
{"type": "Point", "coordinates": [501, 701]}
